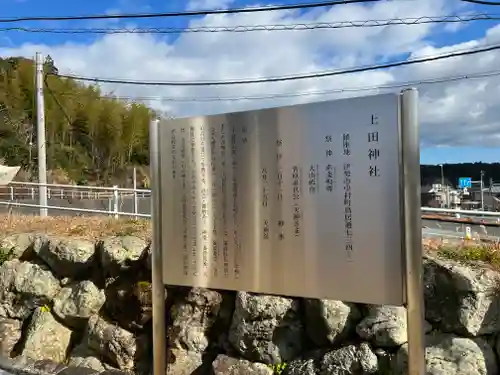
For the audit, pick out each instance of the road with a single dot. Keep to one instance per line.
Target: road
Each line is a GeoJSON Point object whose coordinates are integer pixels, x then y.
{"type": "Point", "coordinates": [433, 228]}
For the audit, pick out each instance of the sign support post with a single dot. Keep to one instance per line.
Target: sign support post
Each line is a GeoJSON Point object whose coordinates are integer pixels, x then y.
{"type": "Point", "coordinates": [412, 243]}
{"type": "Point", "coordinates": [158, 292]}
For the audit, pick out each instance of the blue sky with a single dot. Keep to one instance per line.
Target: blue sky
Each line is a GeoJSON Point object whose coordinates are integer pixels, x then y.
{"type": "Point", "coordinates": [17, 8]}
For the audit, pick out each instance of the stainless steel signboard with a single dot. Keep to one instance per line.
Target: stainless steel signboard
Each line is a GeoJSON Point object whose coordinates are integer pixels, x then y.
{"type": "Point", "coordinates": [319, 200]}
{"type": "Point", "coordinates": [300, 201]}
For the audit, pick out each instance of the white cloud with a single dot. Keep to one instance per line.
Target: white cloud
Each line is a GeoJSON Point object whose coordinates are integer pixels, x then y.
{"type": "Point", "coordinates": [208, 4]}
{"type": "Point", "coordinates": [457, 113]}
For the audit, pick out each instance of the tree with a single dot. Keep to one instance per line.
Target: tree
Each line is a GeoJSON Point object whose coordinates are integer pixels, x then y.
{"type": "Point", "coordinates": [89, 136]}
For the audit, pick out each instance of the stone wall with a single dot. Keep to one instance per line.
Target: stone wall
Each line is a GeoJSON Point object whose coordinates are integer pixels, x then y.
{"type": "Point", "coordinates": [69, 306]}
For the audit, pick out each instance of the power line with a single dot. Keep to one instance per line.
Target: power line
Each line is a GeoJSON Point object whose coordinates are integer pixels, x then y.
{"type": "Point", "coordinates": [53, 95]}
{"type": "Point", "coordinates": [275, 27]}
{"type": "Point", "coordinates": [482, 2]}
{"type": "Point", "coordinates": [188, 13]}
{"type": "Point", "coordinates": [289, 77]}
{"type": "Point", "coordinates": [429, 81]}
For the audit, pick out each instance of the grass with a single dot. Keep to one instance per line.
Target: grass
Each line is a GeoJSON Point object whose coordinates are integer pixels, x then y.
{"type": "Point", "coordinates": [467, 252]}
{"type": "Point", "coordinates": [89, 227]}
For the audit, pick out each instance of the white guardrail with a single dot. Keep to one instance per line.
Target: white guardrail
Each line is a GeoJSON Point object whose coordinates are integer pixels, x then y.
{"type": "Point", "coordinates": [15, 193]}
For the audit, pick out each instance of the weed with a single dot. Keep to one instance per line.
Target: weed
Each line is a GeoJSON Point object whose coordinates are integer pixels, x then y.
{"type": "Point", "coordinates": [278, 368]}
{"type": "Point", "coordinates": [474, 252]}
{"type": "Point", "coordinates": [5, 255]}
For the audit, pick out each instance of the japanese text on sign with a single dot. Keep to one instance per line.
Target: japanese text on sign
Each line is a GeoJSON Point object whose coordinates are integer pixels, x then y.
{"type": "Point", "coordinates": [295, 193]}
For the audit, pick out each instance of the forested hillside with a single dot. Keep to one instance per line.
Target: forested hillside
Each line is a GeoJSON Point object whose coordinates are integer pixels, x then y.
{"type": "Point", "coordinates": [89, 138]}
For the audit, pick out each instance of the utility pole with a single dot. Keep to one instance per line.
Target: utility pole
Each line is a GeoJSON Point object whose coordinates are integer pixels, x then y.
{"type": "Point", "coordinates": [40, 136]}
{"type": "Point", "coordinates": [442, 185]}
{"type": "Point", "coordinates": [482, 192]}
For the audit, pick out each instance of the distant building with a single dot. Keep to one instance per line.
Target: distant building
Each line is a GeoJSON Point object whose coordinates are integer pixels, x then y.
{"type": "Point", "coordinates": [491, 198]}
{"type": "Point", "coordinates": [435, 194]}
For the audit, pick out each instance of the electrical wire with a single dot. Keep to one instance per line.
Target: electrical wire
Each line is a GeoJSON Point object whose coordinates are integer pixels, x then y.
{"type": "Point", "coordinates": [275, 27]}
{"type": "Point", "coordinates": [482, 2]}
{"type": "Point", "coordinates": [53, 95]}
{"type": "Point", "coordinates": [300, 6]}
{"type": "Point", "coordinates": [429, 81]}
{"type": "Point", "coordinates": [289, 77]}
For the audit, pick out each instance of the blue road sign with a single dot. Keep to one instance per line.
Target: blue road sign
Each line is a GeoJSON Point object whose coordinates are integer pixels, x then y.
{"type": "Point", "coordinates": [464, 182]}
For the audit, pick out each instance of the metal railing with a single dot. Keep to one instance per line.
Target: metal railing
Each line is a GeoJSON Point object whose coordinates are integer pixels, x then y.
{"type": "Point", "coordinates": [15, 193]}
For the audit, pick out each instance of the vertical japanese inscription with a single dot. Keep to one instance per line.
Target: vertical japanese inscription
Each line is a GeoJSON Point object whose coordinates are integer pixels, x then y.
{"type": "Point", "coordinates": [373, 149]}
{"type": "Point", "coordinates": [313, 179]}
{"type": "Point", "coordinates": [265, 200]}
{"type": "Point", "coordinates": [296, 195]}
{"type": "Point", "coordinates": [204, 201]}
{"type": "Point", "coordinates": [214, 196]}
{"type": "Point", "coordinates": [279, 157]}
{"type": "Point", "coordinates": [194, 208]}
{"type": "Point", "coordinates": [236, 239]}
{"type": "Point", "coordinates": [346, 145]}
{"type": "Point", "coordinates": [184, 208]}
{"type": "Point", "coordinates": [225, 240]}
{"type": "Point", "coordinates": [329, 168]}
{"type": "Point", "coordinates": [173, 144]}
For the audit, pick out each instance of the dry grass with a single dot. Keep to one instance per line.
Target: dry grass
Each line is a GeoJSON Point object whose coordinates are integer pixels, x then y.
{"type": "Point", "coordinates": [96, 227]}
{"type": "Point", "coordinates": [90, 227]}
{"type": "Point", "coordinates": [467, 251]}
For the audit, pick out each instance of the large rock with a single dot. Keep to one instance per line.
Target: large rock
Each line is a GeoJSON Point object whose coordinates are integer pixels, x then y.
{"type": "Point", "coordinates": [10, 333]}
{"type": "Point", "coordinates": [450, 354]}
{"type": "Point", "coordinates": [461, 299]}
{"type": "Point", "coordinates": [194, 315]}
{"type": "Point", "coordinates": [83, 356]}
{"type": "Point", "coordinates": [118, 253]}
{"type": "Point", "coordinates": [17, 245]}
{"type": "Point", "coordinates": [329, 322]}
{"type": "Point", "coordinates": [302, 366]}
{"type": "Point", "coordinates": [110, 341]}
{"type": "Point", "coordinates": [266, 329]}
{"type": "Point", "coordinates": [224, 365]}
{"type": "Point", "coordinates": [77, 302]}
{"type": "Point", "coordinates": [182, 362]}
{"type": "Point", "coordinates": [385, 326]}
{"type": "Point", "coordinates": [23, 287]}
{"type": "Point", "coordinates": [46, 338]}
{"type": "Point", "coordinates": [349, 360]}
{"type": "Point", "coordinates": [67, 257]}
{"type": "Point", "coordinates": [30, 366]}
{"type": "Point", "coordinates": [129, 302]}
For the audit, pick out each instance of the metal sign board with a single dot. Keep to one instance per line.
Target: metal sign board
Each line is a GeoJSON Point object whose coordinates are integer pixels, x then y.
{"type": "Point", "coordinates": [7, 174]}
{"type": "Point", "coordinates": [464, 182]}
{"type": "Point", "coordinates": [300, 201]}
{"type": "Point", "coordinates": [319, 200]}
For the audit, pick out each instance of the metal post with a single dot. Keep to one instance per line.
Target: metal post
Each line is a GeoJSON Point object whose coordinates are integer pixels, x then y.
{"type": "Point", "coordinates": [482, 193]}
{"type": "Point", "coordinates": [40, 135]}
{"type": "Point", "coordinates": [412, 232]}
{"type": "Point", "coordinates": [442, 183]}
{"type": "Point", "coordinates": [12, 193]}
{"type": "Point", "coordinates": [159, 331]}
{"type": "Point", "coordinates": [135, 194]}
{"type": "Point", "coordinates": [115, 201]}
